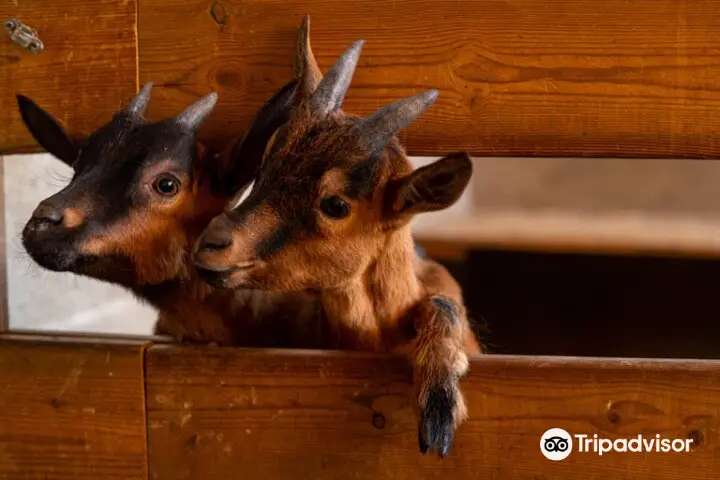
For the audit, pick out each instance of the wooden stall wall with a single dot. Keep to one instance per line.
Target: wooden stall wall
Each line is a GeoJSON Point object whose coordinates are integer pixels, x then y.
{"type": "Point", "coordinates": [76, 408]}
{"type": "Point", "coordinates": [71, 408]}
{"type": "Point", "coordinates": [87, 69]}
{"type": "Point", "coordinates": [527, 77]}
{"type": "Point", "coordinates": [294, 415]}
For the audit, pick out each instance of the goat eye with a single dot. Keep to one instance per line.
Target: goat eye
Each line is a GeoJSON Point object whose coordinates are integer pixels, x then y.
{"type": "Point", "coordinates": [335, 207]}
{"type": "Point", "coordinates": [166, 185]}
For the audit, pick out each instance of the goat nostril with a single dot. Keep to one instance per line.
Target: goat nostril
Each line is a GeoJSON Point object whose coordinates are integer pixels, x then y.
{"type": "Point", "coordinates": [211, 246]}
{"type": "Point", "coordinates": [216, 243]}
{"type": "Point", "coordinates": [48, 215]}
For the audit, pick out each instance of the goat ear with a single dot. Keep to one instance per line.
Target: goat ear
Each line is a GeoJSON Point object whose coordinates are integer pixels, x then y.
{"type": "Point", "coordinates": [241, 162]}
{"type": "Point", "coordinates": [47, 130]}
{"type": "Point", "coordinates": [434, 187]}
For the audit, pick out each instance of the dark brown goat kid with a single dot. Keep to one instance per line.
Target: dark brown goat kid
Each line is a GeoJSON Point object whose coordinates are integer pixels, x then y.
{"type": "Point", "coordinates": [330, 211]}
{"type": "Point", "coordinates": [140, 196]}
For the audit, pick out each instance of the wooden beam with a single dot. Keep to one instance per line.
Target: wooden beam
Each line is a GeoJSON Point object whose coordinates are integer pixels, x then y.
{"type": "Point", "coordinates": [86, 72]}
{"type": "Point", "coordinates": [216, 413]}
{"type": "Point", "coordinates": [528, 77]}
{"type": "Point", "coordinates": [616, 233]}
{"type": "Point", "coordinates": [71, 408]}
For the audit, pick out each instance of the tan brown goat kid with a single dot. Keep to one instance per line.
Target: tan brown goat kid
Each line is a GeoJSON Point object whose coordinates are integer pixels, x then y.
{"type": "Point", "coordinates": [140, 196]}
{"type": "Point", "coordinates": [330, 212]}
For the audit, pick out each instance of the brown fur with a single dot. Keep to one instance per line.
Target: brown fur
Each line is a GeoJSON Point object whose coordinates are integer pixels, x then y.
{"type": "Point", "coordinates": [113, 223]}
{"type": "Point", "coordinates": [376, 294]}
{"type": "Point", "coordinates": [159, 241]}
{"type": "Point", "coordinates": [158, 236]}
{"type": "Point", "coordinates": [73, 218]}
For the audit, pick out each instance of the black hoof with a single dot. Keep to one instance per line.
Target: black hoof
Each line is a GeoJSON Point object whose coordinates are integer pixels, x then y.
{"type": "Point", "coordinates": [437, 427]}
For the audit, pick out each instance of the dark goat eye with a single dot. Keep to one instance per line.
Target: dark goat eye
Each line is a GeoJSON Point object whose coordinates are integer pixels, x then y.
{"type": "Point", "coordinates": [335, 207]}
{"type": "Point", "coordinates": [166, 185]}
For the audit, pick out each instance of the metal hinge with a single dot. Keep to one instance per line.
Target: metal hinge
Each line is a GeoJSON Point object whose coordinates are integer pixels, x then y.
{"type": "Point", "coordinates": [23, 35]}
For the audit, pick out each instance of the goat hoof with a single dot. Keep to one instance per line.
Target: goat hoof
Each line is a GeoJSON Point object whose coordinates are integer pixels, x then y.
{"type": "Point", "coordinates": [424, 447]}
{"type": "Point", "coordinates": [436, 430]}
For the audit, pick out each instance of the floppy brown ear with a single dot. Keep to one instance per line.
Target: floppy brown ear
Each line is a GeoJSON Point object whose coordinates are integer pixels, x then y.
{"type": "Point", "coordinates": [433, 187]}
{"type": "Point", "coordinates": [47, 130]}
{"type": "Point", "coordinates": [242, 160]}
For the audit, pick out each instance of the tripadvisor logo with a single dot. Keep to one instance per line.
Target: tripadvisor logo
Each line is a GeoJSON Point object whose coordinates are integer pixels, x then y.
{"type": "Point", "coordinates": [557, 444]}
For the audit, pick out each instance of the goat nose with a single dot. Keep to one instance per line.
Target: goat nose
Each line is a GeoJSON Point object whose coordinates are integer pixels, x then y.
{"type": "Point", "coordinates": [216, 240]}
{"type": "Point", "coordinates": [48, 214]}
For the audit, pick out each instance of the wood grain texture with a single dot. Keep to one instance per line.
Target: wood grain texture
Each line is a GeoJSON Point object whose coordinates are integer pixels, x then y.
{"type": "Point", "coordinates": [216, 413]}
{"type": "Point", "coordinates": [524, 77]}
{"type": "Point", "coordinates": [623, 233]}
{"type": "Point", "coordinates": [85, 74]}
{"type": "Point", "coordinates": [71, 409]}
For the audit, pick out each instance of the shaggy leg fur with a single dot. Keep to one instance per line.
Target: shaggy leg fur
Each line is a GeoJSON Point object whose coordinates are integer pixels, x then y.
{"type": "Point", "coordinates": [439, 363]}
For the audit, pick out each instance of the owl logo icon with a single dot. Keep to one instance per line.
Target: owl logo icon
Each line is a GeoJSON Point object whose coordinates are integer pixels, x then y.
{"type": "Point", "coordinates": [556, 444]}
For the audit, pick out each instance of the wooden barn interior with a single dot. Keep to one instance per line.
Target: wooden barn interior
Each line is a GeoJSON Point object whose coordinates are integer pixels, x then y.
{"type": "Point", "coordinates": [587, 243]}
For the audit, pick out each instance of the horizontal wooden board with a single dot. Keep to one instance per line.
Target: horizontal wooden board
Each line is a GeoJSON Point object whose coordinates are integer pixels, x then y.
{"type": "Point", "coordinates": [523, 77]}
{"type": "Point", "coordinates": [86, 72]}
{"type": "Point", "coordinates": [618, 206]}
{"type": "Point", "coordinates": [627, 234]}
{"type": "Point", "coordinates": [71, 408]}
{"type": "Point", "coordinates": [217, 413]}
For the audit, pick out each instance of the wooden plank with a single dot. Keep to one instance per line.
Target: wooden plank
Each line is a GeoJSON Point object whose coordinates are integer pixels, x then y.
{"type": "Point", "coordinates": [582, 206]}
{"type": "Point", "coordinates": [627, 234]}
{"type": "Point", "coordinates": [71, 408]}
{"type": "Point", "coordinates": [219, 413]}
{"type": "Point", "coordinates": [527, 77]}
{"type": "Point", "coordinates": [86, 72]}
{"type": "Point", "coordinates": [84, 337]}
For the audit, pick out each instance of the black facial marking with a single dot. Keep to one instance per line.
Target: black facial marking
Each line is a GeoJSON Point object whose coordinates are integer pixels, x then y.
{"type": "Point", "coordinates": [107, 185]}
{"type": "Point", "coordinates": [284, 234]}
{"type": "Point", "coordinates": [273, 243]}
{"type": "Point", "coordinates": [360, 178]}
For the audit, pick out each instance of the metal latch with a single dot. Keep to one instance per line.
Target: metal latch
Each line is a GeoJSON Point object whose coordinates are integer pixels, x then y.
{"type": "Point", "coordinates": [23, 35]}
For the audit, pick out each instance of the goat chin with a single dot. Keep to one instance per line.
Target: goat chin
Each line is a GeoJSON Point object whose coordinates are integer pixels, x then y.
{"type": "Point", "coordinates": [55, 261]}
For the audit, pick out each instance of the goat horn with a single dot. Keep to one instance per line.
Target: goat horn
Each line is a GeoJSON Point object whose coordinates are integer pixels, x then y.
{"type": "Point", "coordinates": [379, 128]}
{"type": "Point", "coordinates": [307, 72]}
{"type": "Point", "coordinates": [195, 114]}
{"type": "Point", "coordinates": [332, 88]}
{"type": "Point", "coordinates": [140, 102]}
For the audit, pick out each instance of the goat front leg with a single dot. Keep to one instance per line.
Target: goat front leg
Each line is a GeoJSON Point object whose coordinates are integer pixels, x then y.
{"type": "Point", "coordinates": [439, 361]}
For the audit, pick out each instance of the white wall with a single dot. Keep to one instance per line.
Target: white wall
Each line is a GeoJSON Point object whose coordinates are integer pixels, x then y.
{"type": "Point", "coordinates": [39, 299]}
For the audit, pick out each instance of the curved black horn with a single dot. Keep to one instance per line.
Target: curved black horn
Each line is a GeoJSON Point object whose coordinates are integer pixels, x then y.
{"type": "Point", "coordinates": [139, 103]}
{"type": "Point", "coordinates": [193, 116]}
{"type": "Point", "coordinates": [332, 88]}
{"type": "Point", "coordinates": [379, 128]}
